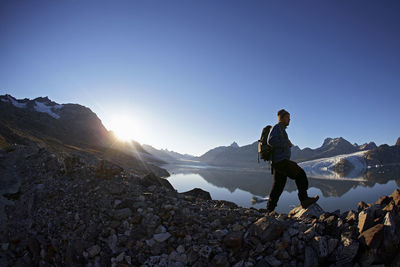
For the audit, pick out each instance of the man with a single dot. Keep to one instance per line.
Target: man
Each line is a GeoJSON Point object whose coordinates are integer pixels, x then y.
{"type": "Point", "coordinates": [283, 166]}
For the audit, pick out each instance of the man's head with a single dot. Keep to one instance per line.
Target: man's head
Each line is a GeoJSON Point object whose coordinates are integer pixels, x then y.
{"type": "Point", "coordinates": [284, 117]}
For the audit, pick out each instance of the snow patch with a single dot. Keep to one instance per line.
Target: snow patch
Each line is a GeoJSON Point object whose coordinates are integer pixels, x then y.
{"type": "Point", "coordinates": [41, 107]}
{"type": "Point", "coordinates": [14, 102]}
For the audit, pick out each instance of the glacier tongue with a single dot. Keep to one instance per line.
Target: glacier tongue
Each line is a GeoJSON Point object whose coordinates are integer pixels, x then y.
{"type": "Point", "coordinates": [323, 168]}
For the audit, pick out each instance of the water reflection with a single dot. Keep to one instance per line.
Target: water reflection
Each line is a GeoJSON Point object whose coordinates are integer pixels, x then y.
{"type": "Point", "coordinates": [249, 187]}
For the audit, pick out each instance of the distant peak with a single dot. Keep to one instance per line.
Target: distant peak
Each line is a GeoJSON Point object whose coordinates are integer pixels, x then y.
{"type": "Point", "coordinates": [234, 144]}
{"type": "Point", "coordinates": [329, 141]}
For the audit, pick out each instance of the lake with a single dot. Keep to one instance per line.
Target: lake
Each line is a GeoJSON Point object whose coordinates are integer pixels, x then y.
{"type": "Point", "coordinates": [241, 186]}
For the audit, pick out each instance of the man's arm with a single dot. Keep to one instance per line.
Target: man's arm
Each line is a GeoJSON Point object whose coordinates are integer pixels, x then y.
{"type": "Point", "coordinates": [275, 138]}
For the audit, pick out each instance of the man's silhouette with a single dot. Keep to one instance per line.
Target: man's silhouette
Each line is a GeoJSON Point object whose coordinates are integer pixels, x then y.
{"type": "Point", "coordinates": [283, 167]}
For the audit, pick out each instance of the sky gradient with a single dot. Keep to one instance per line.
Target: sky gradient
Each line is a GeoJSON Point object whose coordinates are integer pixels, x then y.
{"type": "Point", "coordinates": [193, 75]}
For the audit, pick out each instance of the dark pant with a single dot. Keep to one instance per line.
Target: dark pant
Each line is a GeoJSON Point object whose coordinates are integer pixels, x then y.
{"type": "Point", "coordinates": [282, 170]}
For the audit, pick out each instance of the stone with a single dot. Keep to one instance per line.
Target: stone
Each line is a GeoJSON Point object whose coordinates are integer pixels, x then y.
{"type": "Point", "coordinates": [160, 229]}
{"type": "Point", "coordinates": [313, 211]}
{"type": "Point", "coordinates": [396, 196]}
{"type": "Point", "coordinates": [267, 229]}
{"type": "Point", "coordinates": [152, 179]}
{"type": "Point", "coordinates": [234, 240]}
{"type": "Point", "coordinates": [219, 234]}
{"type": "Point", "coordinates": [122, 214]}
{"type": "Point", "coordinates": [292, 231]}
{"type": "Point", "coordinates": [332, 244]}
{"type": "Point", "coordinates": [161, 237]}
{"type": "Point", "coordinates": [362, 206]}
{"type": "Point", "coordinates": [198, 193]}
{"type": "Point", "coordinates": [351, 217]}
{"type": "Point", "coordinates": [107, 170]}
{"type": "Point", "coordinates": [221, 260]}
{"type": "Point", "coordinates": [365, 220]}
{"type": "Point", "coordinates": [320, 245]}
{"type": "Point", "coordinates": [237, 227]}
{"type": "Point", "coordinates": [372, 237]}
{"type": "Point", "coordinates": [271, 260]}
{"type": "Point", "coordinates": [383, 201]}
{"type": "Point", "coordinates": [180, 249]}
{"type": "Point", "coordinates": [310, 257]}
{"type": "Point", "coordinates": [347, 251]}
{"type": "Point", "coordinates": [120, 257]}
{"type": "Point", "coordinates": [389, 223]}
{"type": "Point", "coordinates": [205, 252]}
{"type": "Point", "coordinates": [93, 251]}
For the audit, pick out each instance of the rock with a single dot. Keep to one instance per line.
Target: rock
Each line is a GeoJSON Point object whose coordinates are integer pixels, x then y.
{"type": "Point", "coordinates": [351, 217]}
{"type": "Point", "coordinates": [332, 244]}
{"type": "Point", "coordinates": [362, 205]}
{"type": "Point", "coordinates": [313, 211]}
{"type": "Point", "coordinates": [237, 227]}
{"type": "Point", "coordinates": [310, 258]}
{"type": "Point", "coordinates": [383, 201]}
{"type": "Point", "coordinates": [219, 234]}
{"type": "Point", "coordinates": [267, 229]}
{"type": "Point", "coordinates": [122, 213]}
{"type": "Point", "coordinates": [112, 242]}
{"type": "Point", "coordinates": [161, 237]}
{"type": "Point", "coordinates": [234, 240]}
{"type": "Point", "coordinates": [120, 257]}
{"type": "Point", "coordinates": [365, 220]}
{"type": "Point", "coordinates": [372, 237]}
{"type": "Point", "coordinates": [151, 179]}
{"type": "Point", "coordinates": [320, 245]}
{"type": "Point", "coordinates": [107, 170]}
{"type": "Point", "coordinates": [198, 193]}
{"type": "Point", "coordinates": [221, 260]}
{"type": "Point", "coordinates": [160, 229]}
{"type": "Point", "coordinates": [180, 249]}
{"type": "Point", "coordinates": [93, 251]}
{"type": "Point", "coordinates": [271, 260]}
{"type": "Point", "coordinates": [347, 250]}
{"type": "Point", "coordinates": [396, 196]}
{"type": "Point", "coordinates": [389, 223]}
{"type": "Point", "coordinates": [115, 189]}
{"type": "Point", "coordinates": [205, 252]}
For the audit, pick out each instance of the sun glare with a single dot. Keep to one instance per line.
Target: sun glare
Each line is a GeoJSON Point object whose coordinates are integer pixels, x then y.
{"type": "Point", "coordinates": [126, 128]}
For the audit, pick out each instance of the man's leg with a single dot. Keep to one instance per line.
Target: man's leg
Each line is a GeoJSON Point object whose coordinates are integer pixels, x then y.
{"type": "Point", "coordinates": [298, 174]}
{"type": "Point", "coordinates": [277, 187]}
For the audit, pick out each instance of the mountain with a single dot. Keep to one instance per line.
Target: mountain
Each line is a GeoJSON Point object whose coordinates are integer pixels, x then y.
{"type": "Point", "coordinates": [167, 155]}
{"type": "Point", "coordinates": [330, 147]}
{"type": "Point", "coordinates": [69, 128]}
{"type": "Point", "coordinates": [246, 156]}
{"type": "Point", "coordinates": [232, 155]}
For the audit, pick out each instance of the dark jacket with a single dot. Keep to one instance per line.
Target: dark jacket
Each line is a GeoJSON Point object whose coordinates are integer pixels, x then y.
{"type": "Point", "coordinates": [279, 140]}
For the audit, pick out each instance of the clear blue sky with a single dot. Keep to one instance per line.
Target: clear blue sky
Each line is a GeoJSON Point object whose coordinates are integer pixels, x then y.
{"type": "Point", "coordinates": [192, 75]}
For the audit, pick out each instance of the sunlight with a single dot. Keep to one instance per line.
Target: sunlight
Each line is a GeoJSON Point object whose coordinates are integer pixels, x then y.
{"type": "Point", "coordinates": [126, 128]}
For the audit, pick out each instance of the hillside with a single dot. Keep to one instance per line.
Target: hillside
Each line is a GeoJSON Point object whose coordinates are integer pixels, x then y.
{"type": "Point", "coordinates": [68, 128]}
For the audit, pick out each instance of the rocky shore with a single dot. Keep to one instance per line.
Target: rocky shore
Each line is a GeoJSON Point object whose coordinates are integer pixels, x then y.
{"type": "Point", "coordinates": [74, 211]}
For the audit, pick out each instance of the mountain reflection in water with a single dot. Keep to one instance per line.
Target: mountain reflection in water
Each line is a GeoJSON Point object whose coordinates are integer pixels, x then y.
{"type": "Point", "coordinates": [243, 185]}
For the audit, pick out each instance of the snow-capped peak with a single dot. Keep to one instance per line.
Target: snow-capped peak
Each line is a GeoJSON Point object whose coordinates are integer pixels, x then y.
{"type": "Point", "coordinates": [40, 104]}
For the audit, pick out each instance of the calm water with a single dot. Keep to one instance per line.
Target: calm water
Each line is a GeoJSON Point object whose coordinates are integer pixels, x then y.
{"type": "Point", "coordinates": [241, 186]}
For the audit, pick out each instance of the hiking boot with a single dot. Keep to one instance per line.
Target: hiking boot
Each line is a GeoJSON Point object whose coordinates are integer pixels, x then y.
{"type": "Point", "coordinates": [311, 200]}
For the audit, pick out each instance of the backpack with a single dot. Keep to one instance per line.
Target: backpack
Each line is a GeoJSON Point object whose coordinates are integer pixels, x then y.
{"type": "Point", "coordinates": [264, 149]}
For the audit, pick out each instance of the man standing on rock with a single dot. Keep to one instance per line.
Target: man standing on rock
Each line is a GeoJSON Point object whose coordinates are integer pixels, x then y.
{"type": "Point", "coordinates": [283, 166]}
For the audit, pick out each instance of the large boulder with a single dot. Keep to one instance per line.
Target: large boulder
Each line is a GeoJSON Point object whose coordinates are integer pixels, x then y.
{"type": "Point", "coordinates": [372, 237]}
{"type": "Point", "coordinates": [107, 170]}
{"type": "Point", "coordinates": [198, 193]}
{"type": "Point", "coordinates": [267, 229]}
{"type": "Point", "coordinates": [313, 211]}
{"type": "Point", "coordinates": [151, 179]}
